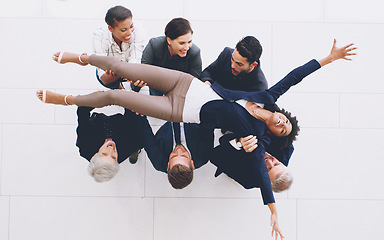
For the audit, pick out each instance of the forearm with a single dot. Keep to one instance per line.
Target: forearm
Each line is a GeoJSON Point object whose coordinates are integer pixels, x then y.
{"type": "Point", "coordinates": [272, 208]}
{"type": "Point", "coordinates": [274, 221]}
{"type": "Point", "coordinates": [326, 60]}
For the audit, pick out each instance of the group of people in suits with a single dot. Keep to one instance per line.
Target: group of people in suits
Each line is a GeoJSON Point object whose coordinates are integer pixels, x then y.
{"type": "Point", "coordinates": [230, 94]}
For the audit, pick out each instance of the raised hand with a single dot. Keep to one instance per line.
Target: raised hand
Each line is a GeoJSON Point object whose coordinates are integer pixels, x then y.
{"type": "Point", "coordinates": [342, 52]}
{"type": "Point", "coordinates": [338, 53]}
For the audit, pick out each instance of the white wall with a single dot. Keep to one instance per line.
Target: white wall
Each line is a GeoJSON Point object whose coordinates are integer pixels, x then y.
{"type": "Point", "coordinates": [45, 192]}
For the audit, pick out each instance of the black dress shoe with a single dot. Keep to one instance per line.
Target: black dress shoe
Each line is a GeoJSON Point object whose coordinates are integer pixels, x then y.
{"type": "Point", "coordinates": [134, 156]}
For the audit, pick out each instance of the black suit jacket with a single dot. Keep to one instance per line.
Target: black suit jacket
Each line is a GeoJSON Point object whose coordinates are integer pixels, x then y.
{"type": "Point", "coordinates": [159, 146]}
{"type": "Point", "coordinates": [127, 132]}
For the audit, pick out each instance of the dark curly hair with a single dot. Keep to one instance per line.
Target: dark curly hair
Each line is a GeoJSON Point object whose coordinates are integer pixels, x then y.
{"type": "Point", "coordinates": [287, 140]}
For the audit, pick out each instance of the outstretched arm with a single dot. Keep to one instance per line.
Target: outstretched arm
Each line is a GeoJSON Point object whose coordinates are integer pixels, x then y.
{"type": "Point", "coordinates": [296, 75]}
{"type": "Point", "coordinates": [274, 223]}
{"type": "Point", "coordinates": [338, 53]}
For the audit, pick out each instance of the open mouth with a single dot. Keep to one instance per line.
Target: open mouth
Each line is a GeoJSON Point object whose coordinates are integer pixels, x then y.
{"type": "Point", "coordinates": [111, 144]}
{"type": "Point", "coordinates": [278, 122]}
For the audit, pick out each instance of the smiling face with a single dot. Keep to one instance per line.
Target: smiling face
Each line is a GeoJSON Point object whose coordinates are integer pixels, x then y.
{"type": "Point", "coordinates": [180, 45]}
{"type": "Point", "coordinates": [180, 155]}
{"type": "Point", "coordinates": [122, 31]}
{"type": "Point", "coordinates": [279, 125]}
{"type": "Point", "coordinates": [108, 151]}
{"type": "Point", "coordinates": [240, 64]}
{"type": "Point", "coordinates": [274, 166]}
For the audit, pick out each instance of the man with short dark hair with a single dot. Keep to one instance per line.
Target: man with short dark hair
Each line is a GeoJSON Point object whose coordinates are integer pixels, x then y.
{"type": "Point", "coordinates": [172, 149]}
{"type": "Point", "coordinates": [239, 68]}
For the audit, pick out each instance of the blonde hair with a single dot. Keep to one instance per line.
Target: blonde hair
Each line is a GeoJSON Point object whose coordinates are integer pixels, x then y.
{"type": "Point", "coordinates": [101, 170]}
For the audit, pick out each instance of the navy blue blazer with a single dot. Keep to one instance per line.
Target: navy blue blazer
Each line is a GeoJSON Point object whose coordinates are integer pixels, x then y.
{"type": "Point", "coordinates": [220, 71]}
{"type": "Point", "coordinates": [270, 95]}
{"type": "Point", "coordinates": [159, 146]}
{"type": "Point", "coordinates": [231, 116]}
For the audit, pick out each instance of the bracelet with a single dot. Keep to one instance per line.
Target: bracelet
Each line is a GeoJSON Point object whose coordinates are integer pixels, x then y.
{"type": "Point", "coordinates": [80, 57]}
{"type": "Point", "coordinates": [65, 99]}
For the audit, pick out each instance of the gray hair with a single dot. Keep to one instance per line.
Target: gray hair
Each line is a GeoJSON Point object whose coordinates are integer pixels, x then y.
{"type": "Point", "coordinates": [282, 182]}
{"type": "Point", "coordinates": [100, 170]}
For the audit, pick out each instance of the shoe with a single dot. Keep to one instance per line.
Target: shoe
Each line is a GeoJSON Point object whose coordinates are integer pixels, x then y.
{"type": "Point", "coordinates": [134, 156]}
{"type": "Point", "coordinates": [135, 88]}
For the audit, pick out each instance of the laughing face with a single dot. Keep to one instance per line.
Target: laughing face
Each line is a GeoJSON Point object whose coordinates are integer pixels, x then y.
{"type": "Point", "coordinates": [180, 45]}
{"type": "Point", "coordinates": [108, 151]}
{"type": "Point", "coordinates": [279, 125]}
{"type": "Point", "coordinates": [122, 31]}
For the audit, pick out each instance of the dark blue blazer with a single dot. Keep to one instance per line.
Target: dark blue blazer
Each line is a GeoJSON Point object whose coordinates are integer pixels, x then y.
{"type": "Point", "coordinates": [220, 71]}
{"type": "Point", "coordinates": [231, 116]}
{"type": "Point", "coordinates": [159, 146]}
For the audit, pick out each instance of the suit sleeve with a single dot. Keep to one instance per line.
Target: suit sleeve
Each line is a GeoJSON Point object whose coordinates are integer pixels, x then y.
{"type": "Point", "coordinates": [155, 152]}
{"type": "Point", "coordinates": [248, 169]}
{"type": "Point", "coordinates": [293, 78]}
{"type": "Point", "coordinates": [84, 131]}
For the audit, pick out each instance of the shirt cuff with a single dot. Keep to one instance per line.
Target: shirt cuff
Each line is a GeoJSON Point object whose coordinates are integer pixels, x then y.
{"type": "Point", "coordinates": [236, 145]}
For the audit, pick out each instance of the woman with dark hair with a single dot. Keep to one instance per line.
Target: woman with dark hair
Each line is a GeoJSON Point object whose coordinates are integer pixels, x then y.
{"type": "Point", "coordinates": [174, 51]}
{"type": "Point", "coordinates": [122, 39]}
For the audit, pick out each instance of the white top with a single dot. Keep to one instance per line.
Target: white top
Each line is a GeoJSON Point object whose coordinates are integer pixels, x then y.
{"type": "Point", "coordinates": [105, 45]}
{"type": "Point", "coordinates": [198, 94]}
